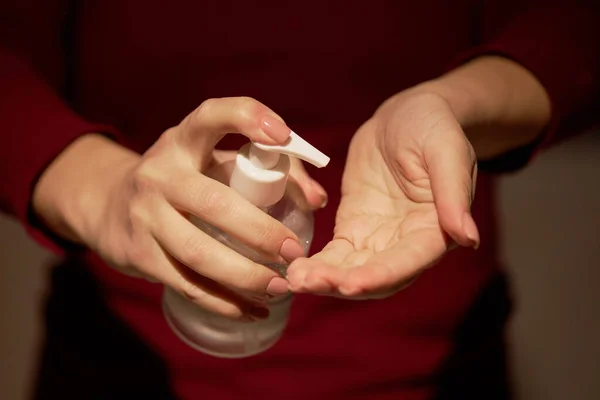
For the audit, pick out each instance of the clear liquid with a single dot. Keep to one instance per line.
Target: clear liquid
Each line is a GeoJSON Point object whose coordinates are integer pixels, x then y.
{"type": "Point", "coordinates": [219, 336]}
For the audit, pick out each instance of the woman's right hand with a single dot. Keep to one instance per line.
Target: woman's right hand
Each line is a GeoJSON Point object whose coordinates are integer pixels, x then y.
{"type": "Point", "coordinates": [132, 209]}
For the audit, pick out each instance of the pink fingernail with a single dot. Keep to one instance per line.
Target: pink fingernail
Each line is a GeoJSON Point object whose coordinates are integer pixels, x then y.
{"type": "Point", "coordinates": [277, 287]}
{"type": "Point", "coordinates": [470, 230]}
{"type": "Point", "coordinates": [290, 250]}
{"type": "Point", "coordinates": [275, 129]}
{"type": "Point", "coordinates": [321, 192]}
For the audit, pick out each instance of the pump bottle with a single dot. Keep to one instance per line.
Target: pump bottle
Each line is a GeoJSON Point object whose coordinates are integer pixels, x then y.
{"type": "Point", "coordinates": [260, 174]}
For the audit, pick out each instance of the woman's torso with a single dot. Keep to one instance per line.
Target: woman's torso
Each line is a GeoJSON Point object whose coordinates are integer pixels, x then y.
{"type": "Point", "coordinates": [324, 66]}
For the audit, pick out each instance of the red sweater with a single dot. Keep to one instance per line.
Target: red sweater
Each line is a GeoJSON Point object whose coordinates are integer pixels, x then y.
{"type": "Point", "coordinates": [134, 68]}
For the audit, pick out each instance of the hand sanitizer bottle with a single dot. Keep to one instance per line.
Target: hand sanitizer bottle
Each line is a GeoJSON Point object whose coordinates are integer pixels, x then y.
{"type": "Point", "coordinates": [260, 174]}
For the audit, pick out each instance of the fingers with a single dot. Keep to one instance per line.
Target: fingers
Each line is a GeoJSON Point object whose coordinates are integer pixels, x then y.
{"type": "Point", "coordinates": [452, 167]}
{"type": "Point", "coordinates": [208, 294]}
{"type": "Point", "coordinates": [342, 271]}
{"type": "Point", "coordinates": [206, 256]}
{"type": "Point", "coordinates": [312, 275]}
{"type": "Point", "coordinates": [214, 202]}
{"type": "Point", "coordinates": [314, 192]}
{"type": "Point", "coordinates": [152, 225]}
{"type": "Point", "coordinates": [224, 208]}
{"type": "Point", "coordinates": [201, 130]}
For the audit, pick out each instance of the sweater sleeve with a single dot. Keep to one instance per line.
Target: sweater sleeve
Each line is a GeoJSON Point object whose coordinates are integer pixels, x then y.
{"type": "Point", "coordinates": [36, 121]}
{"type": "Point", "coordinates": [557, 40]}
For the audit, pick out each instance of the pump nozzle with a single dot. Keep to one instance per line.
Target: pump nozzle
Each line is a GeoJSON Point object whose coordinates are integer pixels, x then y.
{"type": "Point", "coordinates": [261, 171]}
{"type": "Point", "coordinates": [265, 156]}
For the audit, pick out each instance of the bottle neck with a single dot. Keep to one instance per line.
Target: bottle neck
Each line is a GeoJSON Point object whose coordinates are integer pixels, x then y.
{"type": "Point", "coordinates": [263, 159]}
{"type": "Point", "coordinates": [262, 187]}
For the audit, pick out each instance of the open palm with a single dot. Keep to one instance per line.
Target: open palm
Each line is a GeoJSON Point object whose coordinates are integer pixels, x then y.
{"type": "Point", "coordinates": [406, 194]}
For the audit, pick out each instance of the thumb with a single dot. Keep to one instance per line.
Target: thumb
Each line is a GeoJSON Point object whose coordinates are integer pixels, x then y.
{"type": "Point", "coordinates": [314, 192]}
{"type": "Point", "coordinates": [202, 129]}
{"type": "Point", "coordinates": [452, 167]}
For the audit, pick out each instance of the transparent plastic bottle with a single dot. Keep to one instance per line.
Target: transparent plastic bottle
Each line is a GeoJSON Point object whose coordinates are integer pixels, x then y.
{"type": "Point", "coordinates": [222, 337]}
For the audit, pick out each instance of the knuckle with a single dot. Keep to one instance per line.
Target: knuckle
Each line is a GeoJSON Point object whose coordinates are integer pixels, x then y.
{"type": "Point", "coordinates": [196, 295]}
{"type": "Point", "coordinates": [193, 293]}
{"type": "Point", "coordinates": [198, 117]}
{"type": "Point", "coordinates": [166, 141]}
{"type": "Point", "coordinates": [215, 202]}
{"type": "Point", "coordinates": [242, 112]}
{"type": "Point", "coordinates": [255, 279]}
{"type": "Point", "coordinates": [247, 113]}
{"type": "Point", "coordinates": [231, 311]}
{"type": "Point", "coordinates": [205, 199]}
{"type": "Point", "coordinates": [350, 290]}
{"type": "Point", "coordinates": [193, 251]}
{"type": "Point", "coordinates": [268, 237]}
{"type": "Point", "coordinates": [204, 110]}
{"type": "Point", "coordinates": [145, 178]}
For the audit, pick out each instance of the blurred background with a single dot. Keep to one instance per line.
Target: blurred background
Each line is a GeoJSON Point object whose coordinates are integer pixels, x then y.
{"type": "Point", "coordinates": [550, 216]}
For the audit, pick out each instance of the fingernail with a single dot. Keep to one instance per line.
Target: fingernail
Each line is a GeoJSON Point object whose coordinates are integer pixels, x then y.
{"type": "Point", "coordinates": [470, 230]}
{"type": "Point", "coordinates": [321, 192]}
{"type": "Point", "coordinates": [277, 287]}
{"type": "Point", "coordinates": [290, 250]}
{"type": "Point", "coordinates": [275, 129]}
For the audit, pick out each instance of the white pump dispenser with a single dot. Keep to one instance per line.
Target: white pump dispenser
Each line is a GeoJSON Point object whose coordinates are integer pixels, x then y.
{"type": "Point", "coordinates": [260, 174]}
{"type": "Point", "coordinates": [261, 171]}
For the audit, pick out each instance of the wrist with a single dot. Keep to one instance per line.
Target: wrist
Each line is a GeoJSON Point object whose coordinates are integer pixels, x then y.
{"type": "Point", "coordinates": [73, 191]}
{"type": "Point", "coordinates": [499, 104]}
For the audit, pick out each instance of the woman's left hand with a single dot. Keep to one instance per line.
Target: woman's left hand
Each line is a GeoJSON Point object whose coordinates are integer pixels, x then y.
{"type": "Point", "coordinates": [406, 194]}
